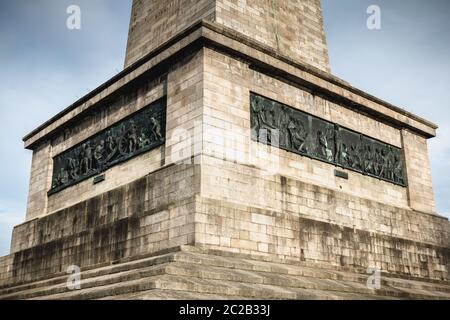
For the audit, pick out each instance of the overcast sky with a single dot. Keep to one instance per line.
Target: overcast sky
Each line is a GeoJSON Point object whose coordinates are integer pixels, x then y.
{"type": "Point", "coordinates": [44, 67]}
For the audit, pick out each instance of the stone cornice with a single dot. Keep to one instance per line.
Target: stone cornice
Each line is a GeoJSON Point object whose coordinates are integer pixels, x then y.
{"type": "Point", "coordinates": [258, 56]}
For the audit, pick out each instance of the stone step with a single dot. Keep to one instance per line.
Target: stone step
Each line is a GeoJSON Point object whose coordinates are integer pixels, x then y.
{"type": "Point", "coordinates": [158, 294]}
{"type": "Point", "coordinates": [191, 256]}
{"type": "Point", "coordinates": [226, 289]}
{"type": "Point", "coordinates": [90, 283]}
{"type": "Point", "coordinates": [296, 270]}
{"type": "Point", "coordinates": [199, 273]}
{"type": "Point", "coordinates": [92, 273]}
{"type": "Point", "coordinates": [231, 289]}
{"type": "Point", "coordinates": [288, 280]}
{"type": "Point", "coordinates": [220, 275]}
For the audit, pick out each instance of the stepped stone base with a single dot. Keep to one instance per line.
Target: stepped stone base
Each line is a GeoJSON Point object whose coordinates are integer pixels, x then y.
{"type": "Point", "coordinates": [189, 272]}
{"type": "Point", "coordinates": [211, 214]}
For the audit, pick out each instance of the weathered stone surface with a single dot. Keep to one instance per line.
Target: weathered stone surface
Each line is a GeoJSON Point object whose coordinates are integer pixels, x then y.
{"type": "Point", "coordinates": [259, 222]}
{"type": "Point", "coordinates": [148, 215]}
{"type": "Point", "coordinates": [194, 273]}
{"type": "Point", "coordinates": [293, 28]}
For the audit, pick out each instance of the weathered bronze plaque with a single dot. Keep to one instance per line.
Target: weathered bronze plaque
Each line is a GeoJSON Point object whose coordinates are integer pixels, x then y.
{"type": "Point", "coordinates": [341, 174]}
{"type": "Point", "coordinates": [279, 125]}
{"type": "Point", "coordinates": [139, 133]}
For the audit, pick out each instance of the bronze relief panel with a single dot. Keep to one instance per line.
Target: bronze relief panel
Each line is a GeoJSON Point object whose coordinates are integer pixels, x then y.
{"type": "Point", "coordinates": [138, 133]}
{"type": "Point", "coordinates": [279, 125]}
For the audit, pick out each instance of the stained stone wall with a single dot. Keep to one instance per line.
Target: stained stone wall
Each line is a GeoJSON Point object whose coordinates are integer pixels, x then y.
{"type": "Point", "coordinates": [211, 185]}
{"type": "Point", "coordinates": [6, 264]}
{"type": "Point", "coordinates": [171, 207]}
{"type": "Point", "coordinates": [228, 83]}
{"type": "Point", "coordinates": [155, 22]}
{"type": "Point", "coordinates": [271, 201]}
{"type": "Point", "coordinates": [304, 233]}
{"type": "Point", "coordinates": [186, 75]}
{"type": "Point", "coordinates": [116, 109]}
{"type": "Point", "coordinates": [208, 112]}
{"type": "Point", "coordinates": [185, 108]}
{"type": "Point", "coordinates": [153, 213]}
{"type": "Point", "coordinates": [40, 180]}
{"type": "Point", "coordinates": [420, 191]}
{"type": "Point", "coordinates": [145, 204]}
{"type": "Point", "coordinates": [290, 27]}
